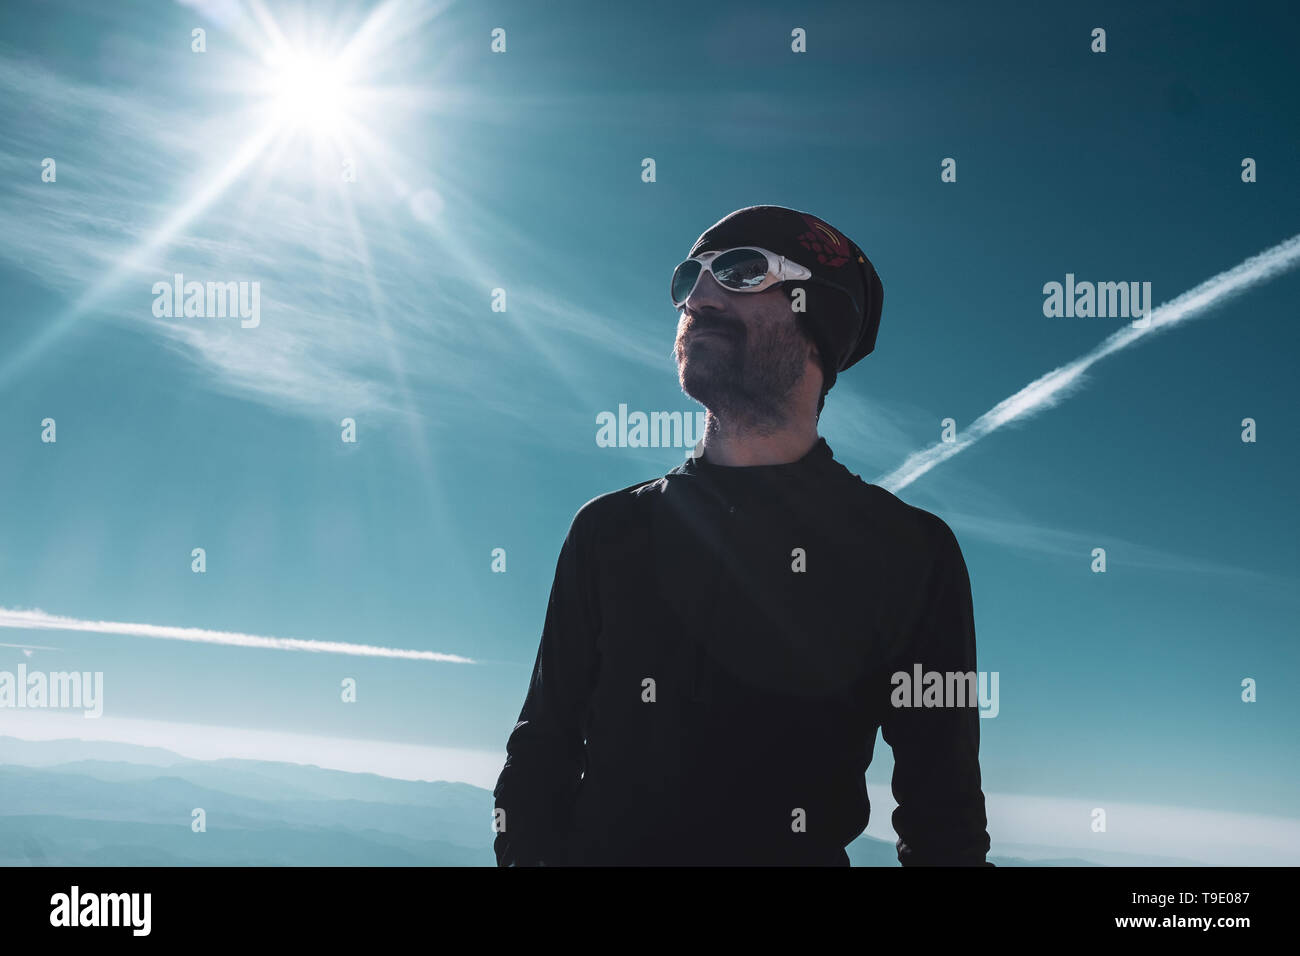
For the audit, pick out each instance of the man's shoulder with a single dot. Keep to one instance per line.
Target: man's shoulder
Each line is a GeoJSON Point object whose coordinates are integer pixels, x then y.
{"type": "Point", "coordinates": [612, 508]}
{"type": "Point", "coordinates": [913, 537]}
{"type": "Point", "coordinates": [901, 523]}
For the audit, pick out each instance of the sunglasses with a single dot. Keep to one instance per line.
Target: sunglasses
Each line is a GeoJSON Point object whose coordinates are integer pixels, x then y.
{"type": "Point", "coordinates": [743, 269]}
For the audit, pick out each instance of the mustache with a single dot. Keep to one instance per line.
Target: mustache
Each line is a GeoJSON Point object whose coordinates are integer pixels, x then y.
{"type": "Point", "coordinates": [724, 326]}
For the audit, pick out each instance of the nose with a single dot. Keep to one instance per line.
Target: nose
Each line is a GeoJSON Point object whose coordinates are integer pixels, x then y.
{"type": "Point", "coordinates": [706, 296]}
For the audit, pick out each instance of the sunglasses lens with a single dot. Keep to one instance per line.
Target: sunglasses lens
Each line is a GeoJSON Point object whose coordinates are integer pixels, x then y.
{"type": "Point", "coordinates": [684, 277]}
{"type": "Point", "coordinates": [740, 269]}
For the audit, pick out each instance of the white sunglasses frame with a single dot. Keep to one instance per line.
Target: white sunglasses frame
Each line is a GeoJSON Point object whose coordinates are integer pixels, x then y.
{"type": "Point", "coordinates": [779, 269]}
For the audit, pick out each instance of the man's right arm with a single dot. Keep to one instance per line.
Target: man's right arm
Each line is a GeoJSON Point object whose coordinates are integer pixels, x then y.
{"type": "Point", "coordinates": [545, 752]}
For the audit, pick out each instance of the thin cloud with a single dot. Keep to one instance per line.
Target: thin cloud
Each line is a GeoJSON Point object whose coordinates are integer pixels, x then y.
{"type": "Point", "coordinates": [1051, 389]}
{"type": "Point", "coordinates": [1077, 546]}
{"type": "Point", "coordinates": [39, 620]}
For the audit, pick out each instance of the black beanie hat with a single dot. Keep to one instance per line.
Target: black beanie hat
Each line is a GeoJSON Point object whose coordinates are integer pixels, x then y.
{"type": "Point", "coordinates": [843, 298]}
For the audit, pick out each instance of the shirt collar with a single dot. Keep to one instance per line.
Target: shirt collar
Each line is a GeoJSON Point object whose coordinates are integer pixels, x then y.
{"type": "Point", "coordinates": [815, 460]}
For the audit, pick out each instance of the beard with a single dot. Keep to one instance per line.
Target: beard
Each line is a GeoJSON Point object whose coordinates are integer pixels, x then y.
{"type": "Point", "coordinates": [744, 380]}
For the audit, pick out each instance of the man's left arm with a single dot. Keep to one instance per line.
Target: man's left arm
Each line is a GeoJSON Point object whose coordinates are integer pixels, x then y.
{"type": "Point", "coordinates": [940, 819]}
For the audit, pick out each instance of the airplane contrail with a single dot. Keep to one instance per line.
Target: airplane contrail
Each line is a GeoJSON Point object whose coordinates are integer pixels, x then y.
{"type": "Point", "coordinates": [39, 620]}
{"type": "Point", "coordinates": [1050, 389]}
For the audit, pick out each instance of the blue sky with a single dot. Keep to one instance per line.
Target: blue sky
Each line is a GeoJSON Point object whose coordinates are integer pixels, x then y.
{"type": "Point", "coordinates": [476, 429]}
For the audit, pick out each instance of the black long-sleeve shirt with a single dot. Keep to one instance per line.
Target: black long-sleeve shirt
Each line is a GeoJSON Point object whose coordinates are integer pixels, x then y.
{"type": "Point", "coordinates": [715, 661]}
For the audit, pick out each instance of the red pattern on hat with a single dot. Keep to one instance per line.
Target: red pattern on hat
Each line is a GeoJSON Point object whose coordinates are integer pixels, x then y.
{"type": "Point", "coordinates": [829, 245]}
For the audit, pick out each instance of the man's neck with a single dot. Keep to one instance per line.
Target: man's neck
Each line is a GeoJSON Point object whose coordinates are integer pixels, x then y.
{"type": "Point", "coordinates": [733, 445]}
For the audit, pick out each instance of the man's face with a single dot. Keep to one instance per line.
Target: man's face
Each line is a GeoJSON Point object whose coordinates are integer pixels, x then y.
{"type": "Point", "coordinates": [741, 354]}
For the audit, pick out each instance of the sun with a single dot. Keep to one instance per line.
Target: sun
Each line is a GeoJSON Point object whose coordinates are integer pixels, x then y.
{"type": "Point", "coordinates": [308, 91]}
